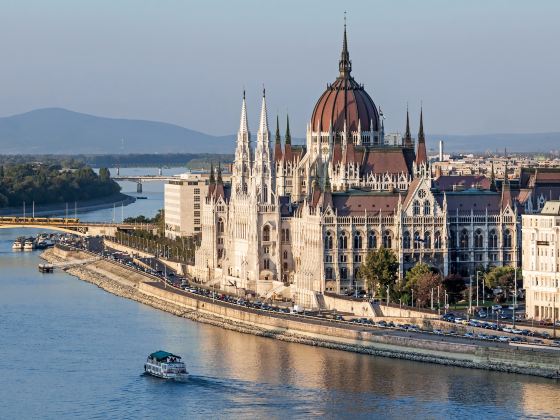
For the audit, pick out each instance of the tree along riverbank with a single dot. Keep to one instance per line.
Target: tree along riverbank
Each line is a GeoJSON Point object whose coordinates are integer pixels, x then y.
{"type": "Point", "coordinates": [129, 283]}
{"type": "Point", "coordinates": [59, 209]}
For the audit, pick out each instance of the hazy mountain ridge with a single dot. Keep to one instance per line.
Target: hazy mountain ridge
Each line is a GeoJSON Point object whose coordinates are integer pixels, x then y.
{"type": "Point", "coordinates": [60, 131]}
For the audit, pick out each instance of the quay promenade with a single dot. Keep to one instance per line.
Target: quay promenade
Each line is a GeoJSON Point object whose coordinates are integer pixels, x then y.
{"type": "Point", "coordinates": [411, 345]}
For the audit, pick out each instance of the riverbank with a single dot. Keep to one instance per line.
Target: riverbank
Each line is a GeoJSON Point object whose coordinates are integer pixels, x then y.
{"type": "Point", "coordinates": [59, 209]}
{"type": "Point", "coordinates": [143, 288]}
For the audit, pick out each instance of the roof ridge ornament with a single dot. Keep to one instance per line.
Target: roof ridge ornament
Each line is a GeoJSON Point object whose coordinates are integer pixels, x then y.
{"type": "Point", "coordinates": [345, 65]}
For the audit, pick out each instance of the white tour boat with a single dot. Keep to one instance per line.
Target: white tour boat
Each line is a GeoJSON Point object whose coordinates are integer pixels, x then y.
{"type": "Point", "coordinates": [165, 365]}
{"type": "Point", "coordinates": [29, 244]}
{"type": "Point", "coordinates": [18, 244]}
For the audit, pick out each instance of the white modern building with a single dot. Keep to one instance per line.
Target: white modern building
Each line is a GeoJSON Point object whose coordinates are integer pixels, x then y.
{"type": "Point", "coordinates": [541, 262]}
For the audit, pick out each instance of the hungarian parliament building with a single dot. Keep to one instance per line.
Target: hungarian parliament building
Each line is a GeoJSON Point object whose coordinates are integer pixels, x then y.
{"type": "Point", "coordinates": [299, 220]}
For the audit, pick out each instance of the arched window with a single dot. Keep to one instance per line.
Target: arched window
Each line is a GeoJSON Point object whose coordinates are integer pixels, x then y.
{"type": "Point", "coordinates": [266, 233]}
{"type": "Point", "coordinates": [406, 240]}
{"type": "Point", "coordinates": [417, 240]}
{"type": "Point", "coordinates": [266, 264]}
{"type": "Point", "coordinates": [416, 208]}
{"type": "Point", "coordinates": [220, 225]}
{"type": "Point", "coordinates": [492, 239]}
{"type": "Point", "coordinates": [507, 239]}
{"type": "Point", "coordinates": [464, 239]}
{"type": "Point", "coordinates": [452, 238]}
{"type": "Point", "coordinates": [437, 240]}
{"type": "Point", "coordinates": [343, 242]}
{"type": "Point", "coordinates": [264, 193]}
{"type": "Point", "coordinates": [372, 240]}
{"type": "Point", "coordinates": [427, 207]}
{"type": "Point", "coordinates": [343, 273]}
{"type": "Point", "coordinates": [328, 273]}
{"type": "Point", "coordinates": [328, 241]}
{"type": "Point", "coordinates": [358, 240]}
{"type": "Point", "coordinates": [478, 239]}
{"type": "Point", "coordinates": [427, 240]}
{"type": "Point", "coordinates": [285, 255]}
{"type": "Point", "coordinates": [220, 253]}
{"type": "Point", "coordinates": [387, 239]}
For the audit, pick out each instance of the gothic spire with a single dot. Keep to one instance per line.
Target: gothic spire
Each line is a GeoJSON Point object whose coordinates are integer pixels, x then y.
{"type": "Point", "coordinates": [421, 154]}
{"type": "Point", "coordinates": [212, 179]}
{"type": "Point", "coordinates": [219, 180]}
{"type": "Point", "coordinates": [278, 145]}
{"type": "Point", "coordinates": [345, 65]}
{"type": "Point", "coordinates": [263, 125]}
{"type": "Point", "coordinates": [288, 136]}
{"type": "Point", "coordinates": [492, 179]}
{"type": "Point", "coordinates": [277, 130]}
{"type": "Point", "coordinates": [243, 125]}
{"type": "Point", "coordinates": [407, 134]}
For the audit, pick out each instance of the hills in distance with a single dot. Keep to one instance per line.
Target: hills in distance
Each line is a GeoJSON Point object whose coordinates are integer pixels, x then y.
{"type": "Point", "coordinates": [60, 131]}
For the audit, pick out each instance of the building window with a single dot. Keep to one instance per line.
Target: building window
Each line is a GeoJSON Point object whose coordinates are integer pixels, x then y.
{"type": "Point", "coordinates": [427, 207]}
{"type": "Point", "coordinates": [266, 249]}
{"type": "Point", "coordinates": [285, 266]}
{"type": "Point", "coordinates": [416, 208]}
{"type": "Point", "coordinates": [493, 239]}
{"type": "Point", "coordinates": [427, 240]}
{"type": "Point", "coordinates": [478, 239]}
{"type": "Point", "coordinates": [417, 240]}
{"type": "Point", "coordinates": [197, 206]}
{"type": "Point", "coordinates": [285, 255]}
{"type": "Point", "coordinates": [437, 240]}
{"type": "Point", "coordinates": [343, 258]}
{"type": "Point", "coordinates": [266, 264]}
{"type": "Point", "coordinates": [196, 198]}
{"type": "Point", "coordinates": [328, 241]}
{"type": "Point", "coordinates": [266, 233]}
{"type": "Point", "coordinates": [220, 225]}
{"type": "Point", "coordinates": [406, 240]}
{"type": "Point", "coordinates": [507, 239]}
{"type": "Point", "coordinates": [357, 258]}
{"type": "Point", "coordinates": [328, 273]}
{"type": "Point", "coordinates": [197, 214]}
{"type": "Point", "coordinates": [197, 221]}
{"type": "Point", "coordinates": [197, 190]}
{"type": "Point", "coordinates": [343, 273]}
{"type": "Point", "coordinates": [464, 239]}
{"type": "Point", "coordinates": [372, 240]}
{"type": "Point", "coordinates": [358, 241]}
{"type": "Point", "coordinates": [387, 239]}
{"type": "Point", "coordinates": [328, 258]}
{"type": "Point", "coordinates": [343, 243]}
{"type": "Point", "coordinates": [285, 235]}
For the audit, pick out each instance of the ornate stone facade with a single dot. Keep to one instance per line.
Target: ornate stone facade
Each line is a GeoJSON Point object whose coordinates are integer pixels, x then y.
{"type": "Point", "coordinates": [301, 220]}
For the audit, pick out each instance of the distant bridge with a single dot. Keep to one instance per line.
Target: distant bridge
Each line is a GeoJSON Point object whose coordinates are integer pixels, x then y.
{"type": "Point", "coordinates": [139, 179]}
{"type": "Point", "coordinates": [71, 225]}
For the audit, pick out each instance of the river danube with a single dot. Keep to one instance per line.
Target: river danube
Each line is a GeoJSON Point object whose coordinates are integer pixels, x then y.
{"type": "Point", "coordinates": [69, 349]}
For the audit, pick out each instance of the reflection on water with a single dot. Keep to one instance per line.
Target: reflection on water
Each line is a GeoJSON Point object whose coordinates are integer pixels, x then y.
{"type": "Point", "coordinates": [70, 349]}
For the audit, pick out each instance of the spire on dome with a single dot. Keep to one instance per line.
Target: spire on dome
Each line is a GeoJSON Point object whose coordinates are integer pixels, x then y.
{"type": "Point", "coordinates": [345, 65]}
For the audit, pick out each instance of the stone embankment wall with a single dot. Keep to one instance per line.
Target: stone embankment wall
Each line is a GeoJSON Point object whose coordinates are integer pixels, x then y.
{"type": "Point", "coordinates": [134, 285]}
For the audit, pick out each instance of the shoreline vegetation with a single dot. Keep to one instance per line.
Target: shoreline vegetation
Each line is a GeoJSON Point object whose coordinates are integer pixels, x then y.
{"type": "Point", "coordinates": [50, 183]}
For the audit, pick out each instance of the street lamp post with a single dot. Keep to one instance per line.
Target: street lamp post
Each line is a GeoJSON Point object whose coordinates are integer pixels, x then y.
{"type": "Point", "coordinates": [438, 305]}
{"type": "Point", "coordinates": [470, 298]}
{"type": "Point", "coordinates": [514, 295]}
{"type": "Point", "coordinates": [477, 288]}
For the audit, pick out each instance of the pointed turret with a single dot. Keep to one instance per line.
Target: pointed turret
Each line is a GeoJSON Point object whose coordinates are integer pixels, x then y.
{"type": "Point", "coordinates": [506, 191]}
{"type": "Point", "coordinates": [263, 124]}
{"type": "Point", "coordinates": [407, 134]}
{"type": "Point", "coordinates": [211, 182]}
{"type": "Point", "coordinates": [288, 155]}
{"type": "Point", "coordinates": [277, 143]}
{"type": "Point", "coordinates": [421, 155]}
{"type": "Point", "coordinates": [263, 168]}
{"type": "Point", "coordinates": [241, 169]}
{"type": "Point", "coordinates": [219, 188]}
{"type": "Point", "coordinates": [492, 179]}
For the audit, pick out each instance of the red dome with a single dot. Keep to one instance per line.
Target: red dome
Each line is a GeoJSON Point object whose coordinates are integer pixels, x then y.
{"type": "Point", "coordinates": [346, 100]}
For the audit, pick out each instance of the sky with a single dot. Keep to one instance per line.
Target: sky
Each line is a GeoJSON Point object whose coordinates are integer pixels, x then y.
{"type": "Point", "coordinates": [477, 66]}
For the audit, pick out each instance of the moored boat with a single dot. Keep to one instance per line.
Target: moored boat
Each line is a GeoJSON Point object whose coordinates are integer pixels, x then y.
{"type": "Point", "coordinates": [165, 365]}
{"type": "Point", "coordinates": [18, 244]}
{"type": "Point", "coordinates": [29, 244]}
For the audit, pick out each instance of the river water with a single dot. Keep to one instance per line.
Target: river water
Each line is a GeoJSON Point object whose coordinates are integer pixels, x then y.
{"type": "Point", "coordinates": [71, 350]}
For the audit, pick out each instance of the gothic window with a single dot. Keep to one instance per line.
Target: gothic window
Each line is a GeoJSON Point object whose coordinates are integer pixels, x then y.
{"type": "Point", "coordinates": [285, 266]}
{"type": "Point", "coordinates": [478, 239]}
{"type": "Point", "coordinates": [343, 242]}
{"type": "Point", "coordinates": [328, 273]}
{"type": "Point", "coordinates": [286, 235]}
{"type": "Point", "coordinates": [406, 240]}
{"type": "Point", "coordinates": [220, 253]}
{"type": "Point", "coordinates": [416, 208]}
{"type": "Point", "coordinates": [464, 239]}
{"type": "Point", "coordinates": [266, 233]}
{"type": "Point", "coordinates": [358, 240]}
{"type": "Point", "coordinates": [285, 255]}
{"type": "Point", "coordinates": [343, 273]}
{"type": "Point", "coordinates": [507, 239]}
{"type": "Point", "coordinates": [427, 240]}
{"type": "Point", "coordinates": [387, 239]}
{"type": "Point", "coordinates": [220, 225]}
{"type": "Point", "coordinates": [264, 192]}
{"type": "Point", "coordinates": [266, 264]}
{"type": "Point", "coordinates": [437, 240]}
{"type": "Point", "coordinates": [328, 241]}
{"type": "Point", "coordinates": [372, 240]}
{"type": "Point", "coordinates": [427, 207]}
{"type": "Point", "coordinates": [417, 240]}
{"type": "Point", "coordinates": [492, 239]}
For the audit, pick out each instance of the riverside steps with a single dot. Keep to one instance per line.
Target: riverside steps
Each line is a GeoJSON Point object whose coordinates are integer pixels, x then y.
{"type": "Point", "coordinates": [453, 351]}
